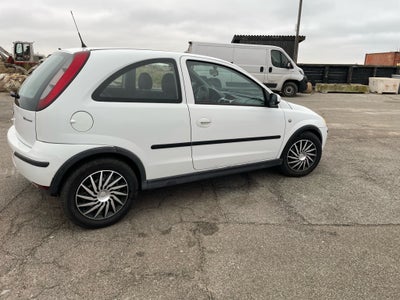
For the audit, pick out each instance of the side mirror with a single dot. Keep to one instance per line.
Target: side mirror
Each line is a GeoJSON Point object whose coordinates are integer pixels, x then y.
{"type": "Point", "coordinates": [273, 101]}
{"type": "Point", "coordinates": [289, 65]}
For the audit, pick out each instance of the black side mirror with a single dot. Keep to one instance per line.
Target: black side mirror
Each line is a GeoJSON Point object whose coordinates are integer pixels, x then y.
{"type": "Point", "coordinates": [273, 101]}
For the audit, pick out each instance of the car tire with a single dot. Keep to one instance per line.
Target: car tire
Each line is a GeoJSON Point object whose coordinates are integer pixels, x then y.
{"type": "Point", "coordinates": [99, 193]}
{"type": "Point", "coordinates": [301, 155]}
{"type": "Point", "coordinates": [289, 89]}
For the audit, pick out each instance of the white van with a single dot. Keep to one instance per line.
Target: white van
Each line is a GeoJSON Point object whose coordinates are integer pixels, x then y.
{"type": "Point", "coordinates": [269, 64]}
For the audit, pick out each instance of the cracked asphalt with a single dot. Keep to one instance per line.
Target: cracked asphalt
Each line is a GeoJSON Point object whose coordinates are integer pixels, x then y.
{"type": "Point", "coordinates": [331, 235]}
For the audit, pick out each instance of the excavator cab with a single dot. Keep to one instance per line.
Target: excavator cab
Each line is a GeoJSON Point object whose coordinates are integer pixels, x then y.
{"type": "Point", "coordinates": [22, 55]}
{"type": "Point", "coordinates": [23, 52]}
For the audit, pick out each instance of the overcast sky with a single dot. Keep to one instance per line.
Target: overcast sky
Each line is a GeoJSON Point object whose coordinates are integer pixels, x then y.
{"type": "Point", "coordinates": [337, 31]}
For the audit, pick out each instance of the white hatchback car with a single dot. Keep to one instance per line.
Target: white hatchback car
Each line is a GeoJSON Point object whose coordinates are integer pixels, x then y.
{"type": "Point", "coordinates": [95, 126]}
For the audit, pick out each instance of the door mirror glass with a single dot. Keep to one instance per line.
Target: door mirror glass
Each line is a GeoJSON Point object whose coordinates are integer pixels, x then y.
{"type": "Point", "coordinates": [273, 100]}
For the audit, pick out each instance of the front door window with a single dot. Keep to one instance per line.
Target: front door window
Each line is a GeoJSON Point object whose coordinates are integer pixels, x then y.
{"type": "Point", "coordinates": [215, 84]}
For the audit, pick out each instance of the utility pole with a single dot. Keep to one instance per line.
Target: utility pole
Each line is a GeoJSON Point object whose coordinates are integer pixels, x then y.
{"type": "Point", "coordinates": [296, 40]}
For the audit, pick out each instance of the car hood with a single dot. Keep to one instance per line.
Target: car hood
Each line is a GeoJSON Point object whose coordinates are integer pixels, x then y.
{"type": "Point", "coordinates": [297, 107]}
{"type": "Point", "coordinates": [296, 111]}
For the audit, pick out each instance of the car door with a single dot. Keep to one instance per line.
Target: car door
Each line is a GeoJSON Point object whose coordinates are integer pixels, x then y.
{"type": "Point", "coordinates": [281, 68]}
{"type": "Point", "coordinates": [230, 123]}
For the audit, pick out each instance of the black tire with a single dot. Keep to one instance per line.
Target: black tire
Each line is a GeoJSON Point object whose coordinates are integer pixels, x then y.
{"type": "Point", "coordinates": [289, 89]}
{"type": "Point", "coordinates": [301, 155]}
{"type": "Point", "coordinates": [99, 193]}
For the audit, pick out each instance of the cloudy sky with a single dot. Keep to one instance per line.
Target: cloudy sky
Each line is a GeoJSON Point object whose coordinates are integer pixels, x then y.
{"type": "Point", "coordinates": [337, 31]}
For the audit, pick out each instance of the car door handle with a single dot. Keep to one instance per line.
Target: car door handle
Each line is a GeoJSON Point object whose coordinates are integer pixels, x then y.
{"type": "Point", "coordinates": [270, 69]}
{"type": "Point", "coordinates": [261, 69]}
{"type": "Point", "coordinates": [203, 122]}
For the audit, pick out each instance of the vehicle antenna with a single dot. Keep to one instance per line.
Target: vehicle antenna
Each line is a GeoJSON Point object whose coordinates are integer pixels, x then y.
{"type": "Point", "coordinates": [76, 26]}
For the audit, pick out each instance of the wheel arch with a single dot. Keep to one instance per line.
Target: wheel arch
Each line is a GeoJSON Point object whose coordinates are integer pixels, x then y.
{"type": "Point", "coordinates": [111, 152]}
{"type": "Point", "coordinates": [307, 128]}
{"type": "Point", "coordinates": [310, 128]}
{"type": "Point", "coordinates": [294, 81]}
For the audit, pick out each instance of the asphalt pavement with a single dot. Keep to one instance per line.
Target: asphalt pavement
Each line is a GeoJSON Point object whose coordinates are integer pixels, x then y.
{"type": "Point", "coordinates": [333, 234]}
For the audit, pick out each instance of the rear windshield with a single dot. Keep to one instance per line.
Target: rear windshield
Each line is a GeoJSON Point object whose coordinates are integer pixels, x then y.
{"type": "Point", "coordinates": [34, 86]}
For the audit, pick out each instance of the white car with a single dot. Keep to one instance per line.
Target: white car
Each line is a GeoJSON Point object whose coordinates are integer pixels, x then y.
{"type": "Point", "coordinates": [96, 126]}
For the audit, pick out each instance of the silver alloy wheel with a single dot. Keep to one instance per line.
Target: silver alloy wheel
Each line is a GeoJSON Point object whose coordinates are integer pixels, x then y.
{"type": "Point", "coordinates": [101, 195]}
{"type": "Point", "coordinates": [302, 155]}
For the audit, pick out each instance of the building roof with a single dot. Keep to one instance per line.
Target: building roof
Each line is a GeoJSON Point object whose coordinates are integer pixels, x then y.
{"type": "Point", "coordinates": [237, 38]}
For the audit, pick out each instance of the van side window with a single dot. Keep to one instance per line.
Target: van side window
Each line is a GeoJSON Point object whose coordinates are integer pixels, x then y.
{"type": "Point", "coordinates": [220, 85]}
{"type": "Point", "coordinates": [153, 81]}
{"type": "Point", "coordinates": [279, 59]}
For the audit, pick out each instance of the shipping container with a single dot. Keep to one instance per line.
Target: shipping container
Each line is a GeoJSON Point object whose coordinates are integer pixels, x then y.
{"type": "Point", "coordinates": [383, 59]}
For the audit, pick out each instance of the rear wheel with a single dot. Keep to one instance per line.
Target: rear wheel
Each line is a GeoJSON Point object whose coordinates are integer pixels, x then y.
{"type": "Point", "coordinates": [289, 89]}
{"type": "Point", "coordinates": [301, 155]}
{"type": "Point", "coordinates": [99, 193]}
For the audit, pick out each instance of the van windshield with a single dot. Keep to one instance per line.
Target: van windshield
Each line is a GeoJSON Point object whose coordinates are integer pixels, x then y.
{"type": "Point", "coordinates": [34, 86]}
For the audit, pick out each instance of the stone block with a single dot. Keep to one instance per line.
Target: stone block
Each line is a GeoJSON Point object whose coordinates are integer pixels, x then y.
{"type": "Point", "coordinates": [341, 88]}
{"type": "Point", "coordinates": [382, 85]}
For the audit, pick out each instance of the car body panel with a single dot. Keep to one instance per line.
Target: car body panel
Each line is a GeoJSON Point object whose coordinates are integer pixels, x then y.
{"type": "Point", "coordinates": [25, 121]}
{"type": "Point", "coordinates": [147, 130]}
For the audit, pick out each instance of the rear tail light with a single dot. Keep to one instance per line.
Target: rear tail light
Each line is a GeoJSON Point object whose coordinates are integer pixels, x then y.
{"type": "Point", "coordinates": [62, 79]}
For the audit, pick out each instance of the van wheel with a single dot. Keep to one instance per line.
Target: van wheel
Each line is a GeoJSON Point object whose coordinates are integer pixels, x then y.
{"type": "Point", "coordinates": [301, 155]}
{"type": "Point", "coordinates": [289, 89]}
{"type": "Point", "coordinates": [99, 193]}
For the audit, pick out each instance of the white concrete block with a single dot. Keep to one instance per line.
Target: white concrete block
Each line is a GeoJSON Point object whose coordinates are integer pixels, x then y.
{"type": "Point", "coordinates": [384, 85]}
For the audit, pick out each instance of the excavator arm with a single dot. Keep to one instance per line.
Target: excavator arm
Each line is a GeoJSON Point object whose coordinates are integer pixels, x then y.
{"type": "Point", "coordinates": [4, 54]}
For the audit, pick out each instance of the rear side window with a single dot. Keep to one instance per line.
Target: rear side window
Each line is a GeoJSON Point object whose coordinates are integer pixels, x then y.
{"type": "Point", "coordinates": [154, 80]}
{"type": "Point", "coordinates": [34, 86]}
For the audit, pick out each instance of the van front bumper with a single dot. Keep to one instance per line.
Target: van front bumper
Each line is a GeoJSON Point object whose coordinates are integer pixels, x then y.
{"type": "Point", "coordinates": [303, 84]}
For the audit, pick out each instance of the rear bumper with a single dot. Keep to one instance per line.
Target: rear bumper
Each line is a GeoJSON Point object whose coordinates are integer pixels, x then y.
{"type": "Point", "coordinates": [40, 162]}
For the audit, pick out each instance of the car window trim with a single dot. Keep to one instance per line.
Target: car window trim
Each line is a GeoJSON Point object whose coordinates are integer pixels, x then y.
{"type": "Point", "coordinates": [96, 94]}
{"type": "Point", "coordinates": [262, 87]}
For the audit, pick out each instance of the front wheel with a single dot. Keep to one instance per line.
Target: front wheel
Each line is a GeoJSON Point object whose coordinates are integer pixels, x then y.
{"type": "Point", "coordinates": [301, 155]}
{"type": "Point", "coordinates": [99, 193]}
{"type": "Point", "coordinates": [289, 89]}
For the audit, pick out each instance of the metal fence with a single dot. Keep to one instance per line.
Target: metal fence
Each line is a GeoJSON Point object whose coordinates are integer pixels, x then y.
{"type": "Point", "coordinates": [317, 73]}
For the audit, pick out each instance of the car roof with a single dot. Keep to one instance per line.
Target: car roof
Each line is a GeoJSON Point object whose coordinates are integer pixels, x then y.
{"type": "Point", "coordinates": [151, 53]}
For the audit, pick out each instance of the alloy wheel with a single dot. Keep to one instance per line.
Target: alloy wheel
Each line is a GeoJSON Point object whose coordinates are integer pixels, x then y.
{"type": "Point", "coordinates": [302, 155]}
{"type": "Point", "coordinates": [101, 195]}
